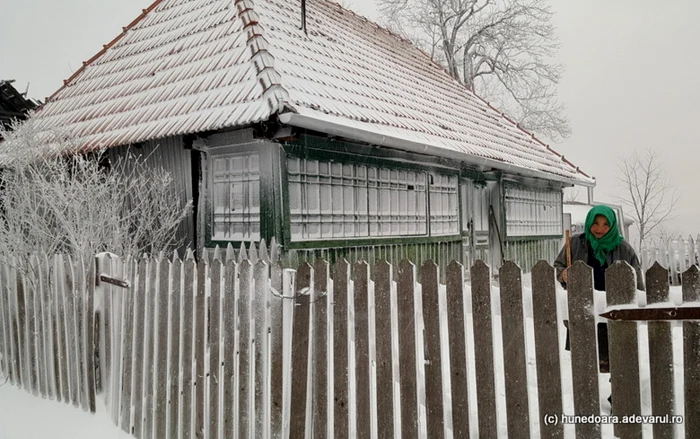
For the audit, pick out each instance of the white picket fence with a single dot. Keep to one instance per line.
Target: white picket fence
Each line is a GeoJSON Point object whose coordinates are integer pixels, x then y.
{"type": "Point", "coordinates": [675, 254]}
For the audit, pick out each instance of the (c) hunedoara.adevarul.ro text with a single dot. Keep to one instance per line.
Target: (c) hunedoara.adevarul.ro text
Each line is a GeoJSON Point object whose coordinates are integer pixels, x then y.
{"type": "Point", "coordinates": [612, 419]}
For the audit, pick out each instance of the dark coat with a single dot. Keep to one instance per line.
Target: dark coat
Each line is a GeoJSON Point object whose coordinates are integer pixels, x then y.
{"type": "Point", "coordinates": [580, 249]}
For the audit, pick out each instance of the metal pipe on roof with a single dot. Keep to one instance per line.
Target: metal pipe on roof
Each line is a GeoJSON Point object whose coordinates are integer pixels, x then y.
{"type": "Point", "coordinates": [366, 136]}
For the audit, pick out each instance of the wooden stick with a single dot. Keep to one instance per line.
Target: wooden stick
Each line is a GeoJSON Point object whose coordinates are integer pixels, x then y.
{"type": "Point", "coordinates": [567, 237]}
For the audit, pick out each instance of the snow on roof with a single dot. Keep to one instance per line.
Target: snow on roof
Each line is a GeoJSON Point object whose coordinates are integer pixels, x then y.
{"type": "Point", "coordinates": [186, 66]}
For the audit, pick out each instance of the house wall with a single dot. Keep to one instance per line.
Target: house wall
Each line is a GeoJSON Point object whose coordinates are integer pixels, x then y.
{"type": "Point", "coordinates": [170, 154]}
{"type": "Point", "coordinates": [272, 217]}
{"type": "Point", "coordinates": [526, 253]}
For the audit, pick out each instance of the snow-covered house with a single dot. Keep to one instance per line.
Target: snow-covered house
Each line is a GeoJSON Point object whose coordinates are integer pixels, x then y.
{"type": "Point", "coordinates": [335, 136]}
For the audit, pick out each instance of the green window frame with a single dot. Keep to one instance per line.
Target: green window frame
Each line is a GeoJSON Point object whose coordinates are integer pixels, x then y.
{"type": "Point", "coordinates": [332, 200]}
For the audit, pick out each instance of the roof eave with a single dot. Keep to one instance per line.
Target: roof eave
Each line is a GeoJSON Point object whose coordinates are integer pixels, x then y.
{"type": "Point", "coordinates": [366, 136]}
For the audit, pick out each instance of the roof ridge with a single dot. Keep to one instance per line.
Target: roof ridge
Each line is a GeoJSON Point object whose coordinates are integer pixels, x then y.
{"type": "Point", "coordinates": [269, 79]}
{"type": "Point", "coordinates": [104, 49]}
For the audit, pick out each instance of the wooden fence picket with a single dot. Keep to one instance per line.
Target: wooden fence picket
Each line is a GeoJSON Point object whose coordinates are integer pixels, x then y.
{"type": "Point", "coordinates": [261, 297]}
{"type": "Point", "coordinates": [19, 325]}
{"type": "Point", "coordinates": [384, 333]}
{"type": "Point", "coordinates": [246, 404]}
{"type": "Point", "coordinates": [87, 290]}
{"type": "Point", "coordinates": [546, 323]}
{"type": "Point", "coordinates": [160, 347]}
{"type": "Point", "coordinates": [127, 340]}
{"type": "Point", "coordinates": [105, 315]}
{"type": "Point", "coordinates": [52, 378]}
{"type": "Point", "coordinates": [230, 322]}
{"type": "Point", "coordinates": [200, 348]}
{"type": "Point", "coordinates": [148, 350]}
{"type": "Point", "coordinates": [363, 393]}
{"type": "Point", "coordinates": [341, 404]}
{"type": "Point", "coordinates": [584, 353]}
{"type": "Point", "coordinates": [660, 346]}
{"type": "Point", "coordinates": [138, 351]}
{"type": "Point", "coordinates": [408, 376]}
{"type": "Point", "coordinates": [277, 332]}
{"type": "Point", "coordinates": [30, 310]}
{"type": "Point", "coordinates": [515, 368]}
{"type": "Point", "coordinates": [624, 353]}
{"type": "Point", "coordinates": [186, 360]}
{"type": "Point", "coordinates": [72, 305]}
{"type": "Point", "coordinates": [300, 350]}
{"type": "Point", "coordinates": [215, 336]}
{"type": "Point", "coordinates": [9, 287]}
{"type": "Point", "coordinates": [431, 349]}
{"type": "Point", "coordinates": [483, 342]}
{"type": "Point", "coordinates": [175, 345]}
{"type": "Point", "coordinates": [320, 350]}
{"type": "Point", "coordinates": [691, 356]}
{"type": "Point", "coordinates": [39, 363]}
{"type": "Point", "coordinates": [457, 348]}
{"type": "Point", "coordinates": [4, 327]}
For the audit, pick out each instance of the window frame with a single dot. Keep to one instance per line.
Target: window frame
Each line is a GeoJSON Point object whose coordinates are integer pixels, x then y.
{"type": "Point", "coordinates": [547, 189]}
{"type": "Point", "coordinates": [295, 151]}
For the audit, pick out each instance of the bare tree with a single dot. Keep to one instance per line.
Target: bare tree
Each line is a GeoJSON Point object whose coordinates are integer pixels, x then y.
{"type": "Point", "coordinates": [649, 193]}
{"type": "Point", "coordinates": [500, 49]}
{"type": "Point", "coordinates": [80, 204]}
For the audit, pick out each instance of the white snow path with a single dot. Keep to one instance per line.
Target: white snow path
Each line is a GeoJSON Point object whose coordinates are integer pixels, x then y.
{"type": "Point", "coordinates": [24, 416]}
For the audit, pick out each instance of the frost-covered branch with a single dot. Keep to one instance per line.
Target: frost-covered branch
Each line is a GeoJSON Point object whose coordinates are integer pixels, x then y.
{"type": "Point", "coordinates": [81, 204]}
{"type": "Point", "coordinates": [500, 49]}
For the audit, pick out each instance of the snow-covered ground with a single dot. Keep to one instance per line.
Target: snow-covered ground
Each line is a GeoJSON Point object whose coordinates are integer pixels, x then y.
{"type": "Point", "coordinates": [24, 416]}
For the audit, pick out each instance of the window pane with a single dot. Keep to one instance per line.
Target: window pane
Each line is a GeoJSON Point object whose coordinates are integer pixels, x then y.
{"type": "Point", "coordinates": [235, 197]}
{"type": "Point", "coordinates": [334, 200]}
{"type": "Point", "coordinates": [444, 210]}
{"type": "Point", "coordinates": [533, 212]}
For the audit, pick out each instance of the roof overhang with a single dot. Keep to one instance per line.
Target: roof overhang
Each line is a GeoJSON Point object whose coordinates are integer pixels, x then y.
{"type": "Point", "coordinates": [372, 138]}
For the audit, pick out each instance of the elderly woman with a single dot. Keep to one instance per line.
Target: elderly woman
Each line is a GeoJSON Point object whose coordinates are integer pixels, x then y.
{"type": "Point", "coordinates": [599, 246]}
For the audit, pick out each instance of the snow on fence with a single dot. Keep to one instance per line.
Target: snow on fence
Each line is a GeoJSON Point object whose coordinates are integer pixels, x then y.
{"type": "Point", "coordinates": [227, 348]}
{"type": "Point", "coordinates": [46, 319]}
{"type": "Point", "coordinates": [676, 254]}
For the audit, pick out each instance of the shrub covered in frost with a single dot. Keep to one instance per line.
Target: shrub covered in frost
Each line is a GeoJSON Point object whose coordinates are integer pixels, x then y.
{"type": "Point", "coordinates": [56, 199]}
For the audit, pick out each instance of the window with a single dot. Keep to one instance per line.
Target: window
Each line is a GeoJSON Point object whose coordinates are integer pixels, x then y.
{"type": "Point", "coordinates": [330, 200]}
{"type": "Point", "coordinates": [531, 212]}
{"type": "Point", "coordinates": [236, 197]}
{"type": "Point", "coordinates": [444, 207]}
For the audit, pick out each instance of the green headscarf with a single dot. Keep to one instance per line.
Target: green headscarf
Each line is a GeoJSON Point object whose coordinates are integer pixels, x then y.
{"type": "Point", "coordinates": [611, 240]}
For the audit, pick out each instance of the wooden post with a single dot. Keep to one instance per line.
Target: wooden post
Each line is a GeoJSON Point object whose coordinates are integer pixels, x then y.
{"type": "Point", "coordinates": [341, 280]}
{"type": "Point", "coordinates": [384, 334]}
{"type": "Point", "coordinates": [515, 367]}
{"type": "Point", "coordinates": [624, 350]}
{"type": "Point", "coordinates": [245, 379]}
{"type": "Point", "coordinates": [691, 356]}
{"type": "Point", "coordinates": [546, 323]}
{"type": "Point", "coordinates": [362, 366]}
{"type": "Point", "coordinates": [408, 376]}
{"type": "Point", "coordinates": [457, 348]}
{"type": "Point", "coordinates": [584, 354]}
{"type": "Point", "coordinates": [483, 347]}
{"type": "Point", "coordinates": [176, 327]}
{"type": "Point", "coordinates": [300, 350]}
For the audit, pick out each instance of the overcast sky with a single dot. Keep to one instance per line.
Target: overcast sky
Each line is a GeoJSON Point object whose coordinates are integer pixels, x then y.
{"type": "Point", "coordinates": [631, 79]}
